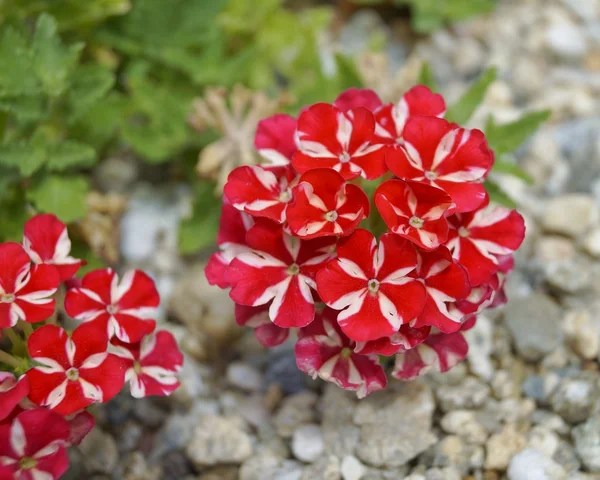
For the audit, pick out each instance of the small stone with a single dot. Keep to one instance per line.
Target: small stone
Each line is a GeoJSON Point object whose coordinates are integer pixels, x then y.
{"type": "Point", "coordinates": [307, 443]}
{"type": "Point", "coordinates": [587, 443]}
{"type": "Point", "coordinates": [551, 421]}
{"type": "Point", "coordinates": [534, 322]}
{"type": "Point", "coordinates": [531, 464]}
{"type": "Point", "coordinates": [566, 456]}
{"type": "Point", "coordinates": [100, 453]}
{"type": "Point", "coordinates": [218, 440]}
{"type": "Point", "coordinates": [540, 387]}
{"type": "Point", "coordinates": [448, 473]}
{"type": "Point", "coordinates": [566, 40]}
{"type": "Point", "coordinates": [296, 410]}
{"type": "Point", "coordinates": [451, 451]}
{"type": "Point", "coordinates": [464, 423]}
{"type": "Point", "coordinates": [582, 334]}
{"type": "Point", "coordinates": [327, 468]}
{"type": "Point", "coordinates": [503, 385]}
{"type": "Point", "coordinates": [352, 469]}
{"type": "Point", "coordinates": [220, 473]}
{"type": "Point", "coordinates": [543, 440]}
{"type": "Point", "coordinates": [337, 411]}
{"type": "Point", "coordinates": [571, 215]}
{"type": "Point", "coordinates": [574, 397]}
{"type": "Point", "coordinates": [244, 376]}
{"type": "Point", "coordinates": [569, 276]}
{"type": "Point", "coordinates": [553, 248]}
{"type": "Point", "coordinates": [591, 242]}
{"type": "Point", "coordinates": [268, 466]}
{"type": "Point", "coordinates": [470, 393]}
{"type": "Point", "coordinates": [136, 468]}
{"type": "Point", "coordinates": [480, 340]}
{"type": "Point", "coordinates": [502, 446]}
{"type": "Point", "coordinates": [283, 371]}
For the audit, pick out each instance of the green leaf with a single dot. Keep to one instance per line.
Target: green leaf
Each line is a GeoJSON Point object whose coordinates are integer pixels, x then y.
{"type": "Point", "coordinates": [510, 136]}
{"type": "Point", "coordinates": [52, 61]}
{"type": "Point", "coordinates": [497, 195]}
{"type": "Point", "coordinates": [89, 84]}
{"type": "Point", "coordinates": [28, 157]}
{"type": "Point", "coordinates": [426, 77]}
{"type": "Point", "coordinates": [65, 196]}
{"type": "Point", "coordinates": [17, 76]}
{"type": "Point", "coordinates": [347, 73]}
{"type": "Point", "coordinates": [80, 249]}
{"type": "Point", "coordinates": [69, 154]}
{"type": "Point", "coordinates": [507, 167]}
{"type": "Point", "coordinates": [12, 212]}
{"type": "Point", "coordinates": [25, 108]}
{"type": "Point", "coordinates": [462, 110]}
{"type": "Point", "coordinates": [200, 231]}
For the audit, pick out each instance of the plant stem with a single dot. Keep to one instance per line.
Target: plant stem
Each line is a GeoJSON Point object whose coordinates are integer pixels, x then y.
{"type": "Point", "coordinates": [7, 358]}
{"type": "Point", "coordinates": [15, 339]}
{"type": "Point", "coordinates": [27, 328]}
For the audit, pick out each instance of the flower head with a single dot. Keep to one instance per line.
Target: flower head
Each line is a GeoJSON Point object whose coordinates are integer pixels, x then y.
{"type": "Point", "coordinates": [274, 139]}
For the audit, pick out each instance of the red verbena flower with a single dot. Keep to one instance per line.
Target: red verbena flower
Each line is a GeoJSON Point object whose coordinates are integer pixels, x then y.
{"type": "Point", "coordinates": [415, 211]}
{"type": "Point", "coordinates": [24, 290]}
{"type": "Point", "coordinates": [325, 205]}
{"type": "Point", "coordinates": [80, 425]}
{"type": "Point", "coordinates": [356, 98]}
{"type": "Point", "coordinates": [151, 365]}
{"type": "Point", "coordinates": [371, 285]}
{"type": "Point", "coordinates": [73, 372]}
{"type": "Point", "coordinates": [33, 446]}
{"type": "Point", "coordinates": [47, 241]}
{"type": "Point", "coordinates": [440, 352]}
{"type": "Point", "coordinates": [477, 239]}
{"type": "Point", "coordinates": [280, 269]}
{"type": "Point", "coordinates": [274, 139]}
{"type": "Point", "coordinates": [330, 138]}
{"type": "Point", "coordinates": [12, 391]}
{"type": "Point", "coordinates": [120, 307]}
{"type": "Point", "coordinates": [265, 331]}
{"type": "Point", "coordinates": [446, 156]}
{"type": "Point", "coordinates": [404, 339]}
{"type": "Point", "coordinates": [323, 350]}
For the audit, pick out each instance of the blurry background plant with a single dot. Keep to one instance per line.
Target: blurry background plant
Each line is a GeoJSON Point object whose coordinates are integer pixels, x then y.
{"type": "Point", "coordinates": [180, 89]}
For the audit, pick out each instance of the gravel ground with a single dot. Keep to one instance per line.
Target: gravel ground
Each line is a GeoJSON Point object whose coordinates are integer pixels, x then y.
{"type": "Point", "coordinates": [525, 404]}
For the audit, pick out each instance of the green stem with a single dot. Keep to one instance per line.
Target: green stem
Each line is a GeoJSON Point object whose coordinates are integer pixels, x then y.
{"type": "Point", "coordinates": [15, 339]}
{"type": "Point", "coordinates": [26, 328]}
{"type": "Point", "coordinates": [7, 358]}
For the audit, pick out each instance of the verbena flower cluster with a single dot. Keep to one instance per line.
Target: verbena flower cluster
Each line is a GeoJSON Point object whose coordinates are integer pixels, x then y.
{"type": "Point", "coordinates": [50, 375]}
{"type": "Point", "coordinates": [365, 280]}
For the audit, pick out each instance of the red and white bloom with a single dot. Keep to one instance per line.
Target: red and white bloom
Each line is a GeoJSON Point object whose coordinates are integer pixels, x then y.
{"type": "Point", "coordinates": [24, 290]}
{"type": "Point", "coordinates": [446, 156]}
{"type": "Point", "coordinates": [33, 446]}
{"type": "Point", "coordinates": [439, 352]}
{"type": "Point", "coordinates": [391, 118]}
{"type": "Point", "coordinates": [445, 282]}
{"type": "Point", "coordinates": [274, 139]}
{"type": "Point", "coordinates": [371, 285]}
{"type": "Point", "coordinates": [327, 137]}
{"type": "Point", "coordinates": [231, 240]}
{"type": "Point", "coordinates": [152, 365]}
{"type": "Point", "coordinates": [260, 192]}
{"type": "Point", "coordinates": [415, 211]}
{"type": "Point", "coordinates": [325, 205]}
{"type": "Point", "coordinates": [404, 339]}
{"type": "Point", "coordinates": [12, 391]}
{"type": "Point", "coordinates": [265, 331]}
{"type": "Point", "coordinates": [73, 372]}
{"type": "Point", "coordinates": [479, 238]}
{"type": "Point", "coordinates": [358, 97]}
{"type": "Point", "coordinates": [324, 351]}
{"type": "Point", "coordinates": [47, 241]}
{"type": "Point", "coordinates": [280, 269]}
{"type": "Point", "coordinates": [121, 307]}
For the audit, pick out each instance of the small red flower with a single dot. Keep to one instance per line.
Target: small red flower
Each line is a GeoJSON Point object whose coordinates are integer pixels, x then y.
{"type": "Point", "coordinates": [358, 97]}
{"type": "Point", "coordinates": [415, 211]}
{"type": "Point", "coordinates": [480, 298]}
{"type": "Point", "coordinates": [446, 156]}
{"type": "Point", "coordinates": [404, 339]}
{"type": "Point", "coordinates": [151, 365]}
{"type": "Point", "coordinates": [265, 331]}
{"type": "Point", "coordinates": [445, 282]}
{"type": "Point", "coordinates": [280, 268]}
{"type": "Point", "coordinates": [440, 352]}
{"type": "Point", "coordinates": [325, 205]}
{"type": "Point", "coordinates": [274, 139]}
{"type": "Point", "coordinates": [260, 192]}
{"type": "Point", "coordinates": [33, 446]}
{"type": "Point", "coordinates": [12, 391]}
{"type": "Point", "coordinates": [73, 372]}
{"type": "Point", "coordinates": [122, 308]}
{"type": "Point", "coordinates": [47, 241]}
{"type": "Point", "coordinates": [391, 118]}
{"type": "Point", "coordinates": [372, 286]}
{"type": "Point", "coordinates": [231, 240]}
{"type": "Point", "coordinates": [330, 138]}
{"type": "Point", "coordinates": [80, 425]}
{"type": "Point", "coordinates": [324, 351]}
{"type": "Point", "coordinates": [480, 239]}
{"type": "Point", "coordinates": [24, 290]}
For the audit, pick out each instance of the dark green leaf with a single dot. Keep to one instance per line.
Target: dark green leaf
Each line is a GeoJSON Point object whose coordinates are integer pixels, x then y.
{"type": "Point", "coordinates": [70, 154]}
{"type": "Point", "coordinates": [426, 77]}
{"type": "Point", "coordinates": [64, 196]}
{"type": "Point", "coordinates": [498, 196]}
{"type": "Point", "coordinates": [89, 84]}
{"type": "Point", "coordinates": [28, 157]}
{"type": "Point", "coordinates": [508, 167]}
{"type": "Point", "coordinates": [200, 231]}
{"type": "Point", "coordinates": [510, 136]}
{"type": "Point", "coordinates": [462, 110]}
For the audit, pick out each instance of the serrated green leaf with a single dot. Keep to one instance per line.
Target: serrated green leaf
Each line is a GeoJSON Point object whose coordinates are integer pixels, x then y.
{"type": "Point", "coordinates": [70, 154]}
{"type": "Point", "coordinates": [89, 84]}
{"type": "Point", "coordinates": [510, 136]}
{"type": "Point", "coordinates": [52, 61]}
{"type": "Point", "coordinates": [100, 123]}
{"type": "Point", "coordinates": [426, 77]}
{"type": "Point", "coordinates": [347, 73]}
{"type": "Point", "coordinates": [497, 195]}
{"type": "Point", "coordinates": [462, 110]}
{"type": "Point", "coordinates": [27, 156]}
{"type": "Point", "coordinates": [17, 76]}
{"type": "Point", "coordinates": [508, 167]}
{"type": "Point", "coordinates": [64, 196]}
{"type": "Point", "coordinates": [26, 109]}
{"type": "Point", "coordinates": [12, 212]}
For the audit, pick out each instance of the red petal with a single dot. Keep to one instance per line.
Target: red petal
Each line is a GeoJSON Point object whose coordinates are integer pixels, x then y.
{"type": "Point", "coordinates": [466, 196]}
{"type": "Point", "coordinates": [80, 425]}
{"type": "Point", "coordinates": [357, 97]}
{"type": "Point", "coordinates": [137, 291]}
{"type": "Point", "coordinates": [32, 297]}
{"type": "Point", "coordinates": [422, 101]}
{"type": "Point", "coordinates": [233, 225]}
{"type": "Point", "coordinates": [216, 270]}
{"type": "Point", "coordinates": [11, 393]}
{"type": "Point", "coordinates": [405, 339]}
{"type": "Point", "coordinates": [161, 350]}
{"type": "Point", "coordinates": [108, 376]}
{"type": "Point", "coordinates": [15, 264]}
{"type": "Point", "coordinates": [270, 335]}
{"type": "Point", "coordinates": [274, 138]}
{"type": "Point", "coordinates": [89, 339]}
{"type": "Point", "coordinates": [49, 341]}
